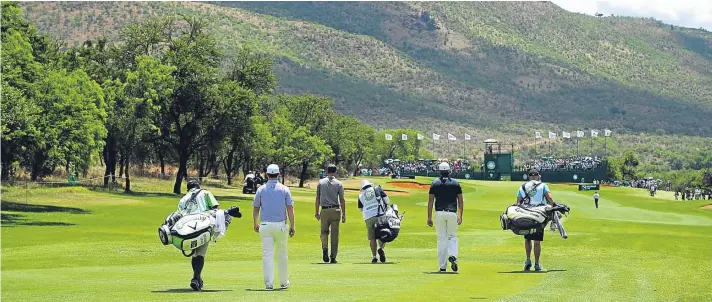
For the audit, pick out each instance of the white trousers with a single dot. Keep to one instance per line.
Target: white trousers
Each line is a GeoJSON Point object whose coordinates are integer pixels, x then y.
{"type": "Point", "coordinates": [274, 236]}
{"type": "Point", "coordinates": [446, 228]}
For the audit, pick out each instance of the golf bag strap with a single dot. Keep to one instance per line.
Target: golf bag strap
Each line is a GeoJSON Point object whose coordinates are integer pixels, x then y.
{"type": "Point", "coordinates": [381, 204]}
{"type": "Point", "coordinates": [195, 195]}
{"type": "Point", "coordinates": [526, 199]}
{"type": "Point", "coordinates": [188, 255]}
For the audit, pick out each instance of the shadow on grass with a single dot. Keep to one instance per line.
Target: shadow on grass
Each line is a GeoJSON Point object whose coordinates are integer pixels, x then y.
{"type": "Point", "coordinates": [13, 220]}
{"type": "Point", "coordinates": [376, 263]}
{"type": "Point", "coordinates": [36, 208]}
{"type": "Point", "coordinates": [440, 273]}
{"type": "Point", "coordinates": [317, 263]}
{"type": "Point", "coordinates": [188, 290]}
{"type": "Point", "coordinates": [265, 290]}
{"type": "Point", "coordinates": [533, 272]}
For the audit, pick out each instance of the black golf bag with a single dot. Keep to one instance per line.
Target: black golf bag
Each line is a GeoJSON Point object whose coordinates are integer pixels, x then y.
{"type": "Point", "coordinates": [531, 220]}
{"type": "Point", "coordinates": [388, 224]}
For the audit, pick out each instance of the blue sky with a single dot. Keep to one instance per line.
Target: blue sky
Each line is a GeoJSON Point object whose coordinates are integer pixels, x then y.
{"type": "Point", "coordinates": [687, 13]}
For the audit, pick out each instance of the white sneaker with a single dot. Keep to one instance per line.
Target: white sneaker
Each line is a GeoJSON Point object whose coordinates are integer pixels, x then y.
{"type": "Point", "coordinates": [268, 287]}
{"type": "Point", "coordinates": [284, 286]}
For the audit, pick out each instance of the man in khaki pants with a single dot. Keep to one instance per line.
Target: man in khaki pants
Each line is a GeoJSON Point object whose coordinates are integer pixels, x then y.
{"type": "Point", "coordinates": [330, 198]}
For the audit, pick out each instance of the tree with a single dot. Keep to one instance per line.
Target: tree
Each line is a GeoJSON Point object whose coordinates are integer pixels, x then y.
{"type": "Point", "coordinates": [241, 106]}
{"type": "Point", "coordinates": [310, 112]}
{"type": "Point", "coordinates": [192, 114]}
{"type": "Point", "coordinates": [135, 104]}
{"type": "Point", "coordinates": [19, 130]}
{"type": "Point", "coordinates": [72, 120]}
{"type": "Point", "coordinates": [292, 144]}
{"type": "Point", "coordinates": [629, 165]}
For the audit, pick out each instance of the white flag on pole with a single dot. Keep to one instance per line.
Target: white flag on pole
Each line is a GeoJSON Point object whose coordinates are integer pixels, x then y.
{"type": "Point", "coordinates": [436, 137]}
{"type": "Point", "coordinates": [566, 134]}
{"type": "Point", "coordinates": [537, 134]}
{"type": "Point", "coordinates": [607, 132]}
{"type": "Point", "coordinates": [451, 137]}
{"type": "Point", "coordinates": [420, 137]}
{"type": "Point", "coordinates": [579, 133]}
{"type": "Point", "coordinates": [552, 135]}
{"type": "Point", "coordinates": [467, 137]}
{"type": "Point", "coordinates": [594, 133]}
{"type": "Point", "coordinates": [404, 137]}
{"type": "Point", "coordinates": [389, 137]}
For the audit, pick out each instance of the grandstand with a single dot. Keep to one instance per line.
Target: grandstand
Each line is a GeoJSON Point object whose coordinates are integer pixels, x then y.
{"type": "Point", "coordinates": [498, 164]}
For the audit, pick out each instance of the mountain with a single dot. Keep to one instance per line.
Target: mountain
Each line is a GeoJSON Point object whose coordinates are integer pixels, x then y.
{"type": "Point", "coordinates": [485, 68]}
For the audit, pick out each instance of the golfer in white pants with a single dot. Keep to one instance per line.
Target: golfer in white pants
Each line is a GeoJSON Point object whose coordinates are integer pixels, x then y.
{"type": "Point", "coordinates": [272, 203]}
{"type": "Point", "coordinates": [446, 194]}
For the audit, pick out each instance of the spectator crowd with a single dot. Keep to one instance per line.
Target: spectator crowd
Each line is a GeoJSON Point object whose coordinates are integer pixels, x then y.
{"type": "Point", "coordinates": [564, 164]}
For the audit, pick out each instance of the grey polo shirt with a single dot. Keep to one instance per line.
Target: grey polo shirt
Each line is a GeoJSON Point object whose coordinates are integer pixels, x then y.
{"type": "Point", "coordinates": [329, 190]}
{"type": "Point", "coordinates": [273, 198]}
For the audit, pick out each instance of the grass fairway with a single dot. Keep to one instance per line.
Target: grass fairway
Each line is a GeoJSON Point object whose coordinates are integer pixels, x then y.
{"type": "Point", "coordinates": [73, 244]}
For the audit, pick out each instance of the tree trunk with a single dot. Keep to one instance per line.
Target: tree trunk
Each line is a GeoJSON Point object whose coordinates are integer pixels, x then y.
{"type": "Point", "coordinates": [303, 176]}
{"type": "Point", "coordinates": [182, 169]}
{"type": "Point", "coordinates": [5, 171]}
{"type": "Point", "coordinates": [227, 164]}
{"type": "Point", "coordinates": [37, 165]}
{"type": "Point", "coordinates": [159, 154]}
{"type": "Point", "coordinates": [214, 165]}
{"type": "Point", "coordinates": [201, 165]}
{"type": "Point", "coordinates": [121, 165]}
{"type": "Point", "coordinates": [66, 165]}
{"type": "Point", "coordinates": [128, 178]}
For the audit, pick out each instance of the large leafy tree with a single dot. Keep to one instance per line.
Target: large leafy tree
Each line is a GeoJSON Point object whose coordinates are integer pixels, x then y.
{"type": "Point", "coordinates": [312, 113]}
{"type": "Point", "coordinates": [193, 112]}
{"type": "Point", "coordinates": [72, 119]}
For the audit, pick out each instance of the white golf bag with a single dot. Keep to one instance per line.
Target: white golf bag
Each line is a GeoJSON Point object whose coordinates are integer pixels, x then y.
{"type": "Point", "coordinates": [388, 224]}
{"type": "Point", "coordinates": [531, 220]}
{"type": "Point", "coordinates": [188, 232]}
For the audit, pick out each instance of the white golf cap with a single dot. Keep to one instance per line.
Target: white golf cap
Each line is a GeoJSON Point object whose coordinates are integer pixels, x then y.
{"type": "Point", "coordinates": [364, 183]}
{"type": "Point", "coordinates": [272, 169]}
{"type": "Point", "coordinates": [444, 166]}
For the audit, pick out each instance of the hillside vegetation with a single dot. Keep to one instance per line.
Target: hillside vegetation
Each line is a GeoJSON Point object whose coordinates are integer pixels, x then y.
{"type": "Point", "coordinates": [482, 65]}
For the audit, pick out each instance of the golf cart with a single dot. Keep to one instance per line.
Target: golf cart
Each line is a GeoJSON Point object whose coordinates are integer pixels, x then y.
{"type": "Point", "coordinates": [252, 182]}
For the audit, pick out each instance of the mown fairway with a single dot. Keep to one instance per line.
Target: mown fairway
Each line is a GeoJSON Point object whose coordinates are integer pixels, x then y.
{"type": "Point", "coordinates": [73, 244]}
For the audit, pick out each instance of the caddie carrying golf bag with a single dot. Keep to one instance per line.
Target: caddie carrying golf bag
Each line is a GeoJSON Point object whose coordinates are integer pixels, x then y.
{"type": "Point", "coordinates": [188, 232]}
{"type": "Point", "coordinates": [388, 224]}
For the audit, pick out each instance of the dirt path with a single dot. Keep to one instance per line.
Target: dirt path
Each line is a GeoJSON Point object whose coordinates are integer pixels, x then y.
{"type": "Point", "coordinates": [707, 207]}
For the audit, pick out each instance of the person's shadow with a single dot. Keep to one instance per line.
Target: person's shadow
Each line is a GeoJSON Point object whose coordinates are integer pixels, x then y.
{"type": "Point", "coordinates": [188, 290]}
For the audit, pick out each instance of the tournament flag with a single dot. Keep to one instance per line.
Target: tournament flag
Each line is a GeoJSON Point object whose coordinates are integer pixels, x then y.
{"type": "Point", "coordinates": [594, 133]}
{"type": "Point", "coordinates": [467, 137]}
{"type": "Point", "coordinates": [389, 137]}
{"type": "Point", "coordinates": [566, 134]}
{"type": "Point", "coordinates": [552, 135]}
{"type": "Point", "coordinates": [537, 134]}
{"type": "Point", "coordinates": [607, 132]}
{"type": "Point", "coordinates": [420, 137]}
{"type": "Point", "coordinates": [404, 137]}
{"type": "Point", "coordinates": [436, 137]}
{"type": "Point", "coordinates": [579, 133]}
{"type": "Point", "coordinates": [451, 137]}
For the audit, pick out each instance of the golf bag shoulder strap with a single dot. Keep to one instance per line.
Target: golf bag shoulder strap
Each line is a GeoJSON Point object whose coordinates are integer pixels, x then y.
{"type": "Point", "coordinates": [526, 199]}
{"type": "Point", "coordinates": [380, 194]}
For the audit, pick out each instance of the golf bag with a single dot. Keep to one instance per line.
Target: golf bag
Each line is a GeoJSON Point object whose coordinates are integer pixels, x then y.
{"type": "Point", "coordinates": [531, 220]}
{"type": "Point", "coordinates": [388, 224]}
{"type": "Point", "coordinates": [188, 232]}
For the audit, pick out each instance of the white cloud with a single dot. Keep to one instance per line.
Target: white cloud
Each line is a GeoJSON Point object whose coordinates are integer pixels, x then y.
{"type": "Point", "coordinates": [687, 13]}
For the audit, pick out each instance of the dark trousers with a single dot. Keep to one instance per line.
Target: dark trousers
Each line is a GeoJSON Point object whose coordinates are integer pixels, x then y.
{"type": "Point", "coordinates": [596, 200]}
